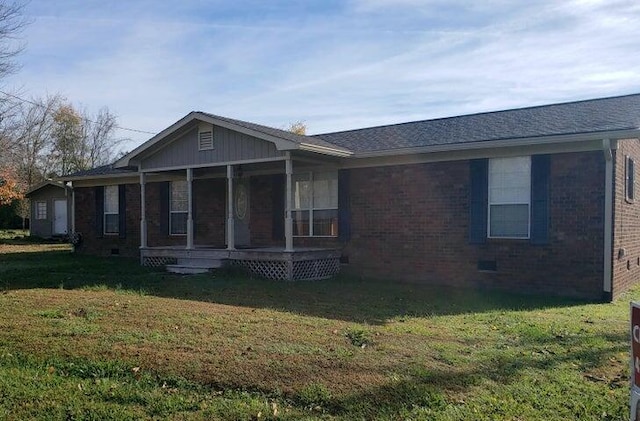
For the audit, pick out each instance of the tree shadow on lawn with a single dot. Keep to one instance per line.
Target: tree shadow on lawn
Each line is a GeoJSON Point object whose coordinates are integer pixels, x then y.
{"type": "Point", "coordinates": [341, 298]}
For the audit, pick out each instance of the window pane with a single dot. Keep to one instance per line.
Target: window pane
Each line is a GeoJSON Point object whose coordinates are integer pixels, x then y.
{"type": "Point", "coordinates": [178, 223]}
{"type": "Point", "coordinates": [179, 196]}
{"type": "Point", "coordinates": [509, 221]}
{"type": "Point", "coordinates": [510, 180]}
{"type": "Point", "coordinates": [325, 190]}
{"type": "Point", "coordinates": [111, 223]}
{"type": "Point", "coordinates": [41, 210]}
{"type": "Point", "coordinates": [111, 199]}
{"type": "Point", "coordinates": [301, 191]}
{"type": "Point", "coordinates": [300, 222]}
{"type": "Point", "coordinates": [325, 222]}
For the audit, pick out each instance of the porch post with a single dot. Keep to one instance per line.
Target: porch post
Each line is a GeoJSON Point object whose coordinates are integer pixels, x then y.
{"type": "Point", "coordinates": [143, 211]}
{"type": "Point", "coordinates": [231, 240]}
{"type": "Point", "coordinates": [189, 208]}
{"type": "Point", "coordinates": [288, 220]}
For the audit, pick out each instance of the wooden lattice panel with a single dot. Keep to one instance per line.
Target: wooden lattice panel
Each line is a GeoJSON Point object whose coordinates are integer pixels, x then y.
{"type": "Point", "coordinates": [269, 269]}
{"type": "Point", "coordinates": [279, 270]}
{"type": "Point", "coordinates": [155, 261]}
{"type": "Point", "coordinates": [316, 269]}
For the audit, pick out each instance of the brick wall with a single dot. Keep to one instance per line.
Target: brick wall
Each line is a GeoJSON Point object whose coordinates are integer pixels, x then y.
{"type": "Point", "coordinates": [85, 214]}
{"type": "Point", "coordinates": [411, 223]}
{"type": "Point", "coordinates": [626, 230]}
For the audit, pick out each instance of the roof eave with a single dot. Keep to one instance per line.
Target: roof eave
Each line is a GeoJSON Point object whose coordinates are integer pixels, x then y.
{"type": "Point", "coordinates": [510, 142]}
{"type": "Point", "coordinates": [342, 153]}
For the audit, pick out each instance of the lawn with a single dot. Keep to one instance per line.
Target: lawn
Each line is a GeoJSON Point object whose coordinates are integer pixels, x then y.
{"type": "Point", "coordinates": [92, 338]}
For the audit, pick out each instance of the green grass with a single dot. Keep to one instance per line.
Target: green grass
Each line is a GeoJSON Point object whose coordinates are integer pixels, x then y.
{"type": "Point", "coordinates": [91, 338]}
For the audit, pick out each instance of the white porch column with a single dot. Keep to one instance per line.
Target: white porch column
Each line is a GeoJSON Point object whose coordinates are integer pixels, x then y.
{"type": "Point", "coordinates": [288, 220]}
{"type": "Point", "coordinates": [143, 211]}
{"type": "Point", "coordinates": [189, 208]}
{"type": "Point", "coordinates": [231, 239]}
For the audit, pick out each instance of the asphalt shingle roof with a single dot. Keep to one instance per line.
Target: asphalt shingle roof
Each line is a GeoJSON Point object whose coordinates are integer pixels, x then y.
{"type": "Point", "coordinates": [590, 116]}
{"type": "Point", "coordinates": [102, 170]}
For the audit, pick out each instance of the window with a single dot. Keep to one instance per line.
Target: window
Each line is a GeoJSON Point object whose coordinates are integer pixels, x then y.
{"type": "Point", "coordinates": [509, 197]}
{"type": "Point", "coordinates": [178, 208]}
{"type": "Point", "coordinates": [315, 204]}
{"type": "Point", "coordinates": [629, 185]}
{"type": "Point", "coordinates": [111, 219]}
{"type": "Point", "coordinates": [41, 210]}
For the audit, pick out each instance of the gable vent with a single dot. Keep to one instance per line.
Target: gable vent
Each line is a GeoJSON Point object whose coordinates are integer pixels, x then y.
{"type": "Point", "coordinates": [205, 140]}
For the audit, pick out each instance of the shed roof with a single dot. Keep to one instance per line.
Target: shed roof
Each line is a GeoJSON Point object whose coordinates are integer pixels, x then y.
{"type": "Point", "coordinates": [44, 184]}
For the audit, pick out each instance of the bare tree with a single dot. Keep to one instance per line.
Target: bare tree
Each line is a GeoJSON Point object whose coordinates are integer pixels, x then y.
{"type": "Point", "coordinates": [297, 127]}
{"type": "Point", "coordinates": [12, 23]}
{"type": "Point", "coordinates": [33, 141]}
{"type": "Point", "coordinates": [82, 141]}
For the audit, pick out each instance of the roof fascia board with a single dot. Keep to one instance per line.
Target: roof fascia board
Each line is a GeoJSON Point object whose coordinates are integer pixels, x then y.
{"type": "Point", "coordinates": [325, 150]}
{"type": "Point", "coordinates": [489, 144]}
{"type": "Point", "coordinates": [113, 181]}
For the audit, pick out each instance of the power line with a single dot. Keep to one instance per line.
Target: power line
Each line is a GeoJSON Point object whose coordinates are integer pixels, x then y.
{"type": "Point", "coordinates": [84, 118]}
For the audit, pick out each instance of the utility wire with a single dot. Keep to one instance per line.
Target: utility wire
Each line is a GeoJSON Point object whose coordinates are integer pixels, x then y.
{"type": "Point", "coordinates": [84, 118]}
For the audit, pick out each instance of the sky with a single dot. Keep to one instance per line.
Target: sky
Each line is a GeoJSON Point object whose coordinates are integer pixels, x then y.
{"type": "Point", "coordinates": [334, 65]}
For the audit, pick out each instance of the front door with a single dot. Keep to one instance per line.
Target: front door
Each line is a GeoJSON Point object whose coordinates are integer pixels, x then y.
{"type": "Point", "coordinates": [59, 216]}
{"type": "Point", "coordinates": [241, 210]}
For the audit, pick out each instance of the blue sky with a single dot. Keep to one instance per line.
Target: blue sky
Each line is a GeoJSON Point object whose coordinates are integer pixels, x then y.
{"type": "Point", "coordinates": [333, 64]}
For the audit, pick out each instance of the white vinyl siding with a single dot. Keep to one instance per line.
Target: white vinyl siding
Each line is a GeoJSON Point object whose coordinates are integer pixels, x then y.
{"type": "Point", "coordinates": [509, 197]}
{"type": "Point", "coordinates": [315, 204]}
{"type": "Point", "coordinates": [178, 208]}
{"type": "Point", "coordinates": [111, 217]}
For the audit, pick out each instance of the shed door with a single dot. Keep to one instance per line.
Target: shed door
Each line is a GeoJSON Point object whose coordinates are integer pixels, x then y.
{"type": "Point", "coordinates": [60, 216]}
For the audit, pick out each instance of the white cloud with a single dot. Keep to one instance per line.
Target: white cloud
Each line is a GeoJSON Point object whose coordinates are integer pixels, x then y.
{"type": "Point", "coordinates": [368, 63]}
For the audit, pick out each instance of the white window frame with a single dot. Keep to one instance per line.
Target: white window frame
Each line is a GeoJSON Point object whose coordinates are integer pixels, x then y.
{"type": "Point", "coordinates": [498, 203]}
{"type": "Point", "coordinates": [629, 173]}
{"type": "Point", "coordinates": [41, 216]}
{"type": "Point", "coordinates": [172, 212]}
{"type": "Point", "coordinates": [117, 207]}
{"type": "Point", "coordinates": [312, 208]}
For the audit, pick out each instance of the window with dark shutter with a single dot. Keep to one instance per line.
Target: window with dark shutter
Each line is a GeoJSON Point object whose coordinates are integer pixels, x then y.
{"type": "Point", "coordinates": [629, 179]}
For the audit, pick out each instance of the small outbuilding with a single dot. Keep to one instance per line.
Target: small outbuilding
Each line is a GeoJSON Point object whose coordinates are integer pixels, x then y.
{"type": "Point", "coordinates": [50, 213]}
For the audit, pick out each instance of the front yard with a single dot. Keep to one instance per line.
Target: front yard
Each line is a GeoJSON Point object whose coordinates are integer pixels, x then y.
{"type": "Point", "coordinates": [91, 338]}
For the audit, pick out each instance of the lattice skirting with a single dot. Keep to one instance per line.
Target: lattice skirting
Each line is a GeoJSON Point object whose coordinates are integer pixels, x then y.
{"type": "Point", "coordinates": [291, 271]}
{"type": "Point", "coordinates": [155, 261]}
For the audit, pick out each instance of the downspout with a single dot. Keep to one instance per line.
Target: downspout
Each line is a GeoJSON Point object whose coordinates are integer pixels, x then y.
{"type": "Point", "coordinates": [607, 294]}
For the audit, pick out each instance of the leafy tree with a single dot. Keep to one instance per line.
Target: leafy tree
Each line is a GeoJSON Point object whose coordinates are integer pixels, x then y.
{"type": "Point", "coordinates": [298, 127]}
{"type": "Point", "coordinates": [9, 188]}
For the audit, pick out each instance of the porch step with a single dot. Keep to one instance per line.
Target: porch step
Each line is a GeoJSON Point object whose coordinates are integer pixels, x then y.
{"type": "Point", "coordinates": [194, 265]}
{"type": "Point", "coordinates": [186, 270]}
{"type": "Point", "coordinates": [204, 262]}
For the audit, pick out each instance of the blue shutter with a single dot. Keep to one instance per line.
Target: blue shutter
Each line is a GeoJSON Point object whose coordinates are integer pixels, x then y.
{"type": "Point", "coordinates": [122, 211]}
{"type": "Point", "coordinates": [344, 206]}
{"type": "Point", "coordinates": [540, 166]}
{"type": "Point", "coordinates": [99, 219]}
{"type": "Point", "coordinates": [478, 191]}
{"type": "Point", "coordinates": [164, 208]}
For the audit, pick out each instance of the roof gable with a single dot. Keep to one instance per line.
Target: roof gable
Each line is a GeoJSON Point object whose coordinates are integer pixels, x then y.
{"type": "Point", "coordinates": [282, 139]}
